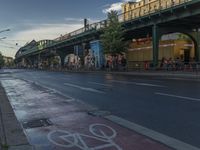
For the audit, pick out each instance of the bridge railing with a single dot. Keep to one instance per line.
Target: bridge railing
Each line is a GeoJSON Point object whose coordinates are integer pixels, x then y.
{"type": "Point", "coordinates": [149, 8]}
{"type": "Point", "coordinates": [174, 66]}
{"type": "Point", "coordinates": [94, 26]}
{"type": "Point", "coordinates": [144, 10]}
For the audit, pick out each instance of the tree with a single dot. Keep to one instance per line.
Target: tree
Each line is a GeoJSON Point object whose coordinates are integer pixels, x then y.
{"type": "Point", "coordinates": [112, 37]}
{"type": "Point", "coordinates": [1, 60]}
{"type": "Point", "coordinates": [183, 37]}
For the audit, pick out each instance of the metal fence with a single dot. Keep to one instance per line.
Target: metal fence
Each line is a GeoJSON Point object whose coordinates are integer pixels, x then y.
{"type": "Point", "coordinates": [174, 66]}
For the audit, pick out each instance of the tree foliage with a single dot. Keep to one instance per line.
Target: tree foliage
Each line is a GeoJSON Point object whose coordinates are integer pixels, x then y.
{"type": "Point", "coordinates": [183, 37]}
{"type": "Point", "coordinates": [1, 60]}
{"type": "Point", "coordinates": [112, 37]}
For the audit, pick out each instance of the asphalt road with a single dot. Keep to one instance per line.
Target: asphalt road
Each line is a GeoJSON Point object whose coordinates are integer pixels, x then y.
{"type": "Point", "coordinates": [167, 105]}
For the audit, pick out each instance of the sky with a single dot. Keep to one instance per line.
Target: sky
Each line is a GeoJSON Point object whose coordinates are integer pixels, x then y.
{"type": "Point", "coordinates": [47, 19]}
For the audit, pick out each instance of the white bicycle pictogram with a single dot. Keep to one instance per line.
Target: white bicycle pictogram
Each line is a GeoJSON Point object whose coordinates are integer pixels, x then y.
{"type": "Point", "coordinates": [102, 134]}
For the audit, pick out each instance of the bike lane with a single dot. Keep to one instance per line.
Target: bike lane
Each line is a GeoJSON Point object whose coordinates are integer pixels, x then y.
{"type": "Point", "coordinates": [79, 131]}
{"type": "Point", "coordinates": [54, 122]}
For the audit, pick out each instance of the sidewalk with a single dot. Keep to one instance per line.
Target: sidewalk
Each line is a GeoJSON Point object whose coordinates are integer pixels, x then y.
{"type": "Point", "coordinates": [182, 74]}
{"type": "Point", "coordinates": [12, 136]}
{"type": "Point", "coordinates": [162, 73]}
{"type": "Point", "coordinates": [53, 121]}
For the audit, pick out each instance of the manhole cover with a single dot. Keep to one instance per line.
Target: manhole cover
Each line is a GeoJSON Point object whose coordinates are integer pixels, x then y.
{"type": "Point", "coordinates": [99, 113]}
{"type": "Point", "coordinates": [37, 123]}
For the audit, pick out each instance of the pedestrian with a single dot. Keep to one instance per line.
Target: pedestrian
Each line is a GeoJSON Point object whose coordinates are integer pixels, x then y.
{"type": "Point", "coordinates": [124, 62]}
{"type": "Point", "coordinates": [169, 64]}
{"type": "Point", "coordinates": [162, 63]}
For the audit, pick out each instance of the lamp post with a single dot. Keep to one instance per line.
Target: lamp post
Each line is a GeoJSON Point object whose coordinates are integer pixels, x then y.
{"type": "Point", "coordinates": [2, 39]}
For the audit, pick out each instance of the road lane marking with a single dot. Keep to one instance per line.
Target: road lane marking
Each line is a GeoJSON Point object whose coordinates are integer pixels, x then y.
{"type": "Point", "coordinates": [147, 84]}
{"type": "Point", "coordinates": [184, 79]}
{"type": "Point", "coordinates": [96, 83]}
{"type": "Point", "coordinates": [137, 83]}
{"type": "Point", "coordinates": [84, 88]}
{"type": "Point", "coordinates": [178, 96]}
{"type": "Point", "coordinates": [169, 141]}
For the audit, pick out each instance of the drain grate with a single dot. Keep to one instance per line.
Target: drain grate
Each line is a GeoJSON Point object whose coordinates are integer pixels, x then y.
{"type": "Point", "coordinates": [99, 113]}
{"type": "Point", "coordinates": [37, 123]}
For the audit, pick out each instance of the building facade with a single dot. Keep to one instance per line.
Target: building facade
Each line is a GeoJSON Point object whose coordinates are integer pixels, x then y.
{"type": "Point", "coordinates": [140, 52]}
{"type": "Point", "coordinates": [133, 10]}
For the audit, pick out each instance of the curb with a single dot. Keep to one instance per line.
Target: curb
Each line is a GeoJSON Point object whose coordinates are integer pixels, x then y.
{"type": "Point", "coordinates": [161, 138]}
{"type": "Point", "coordinates": [11, 133]}
{"type": "Point", "coordinates": [164, 74]}
{"type": "Point", "coordinates": [195, 75]}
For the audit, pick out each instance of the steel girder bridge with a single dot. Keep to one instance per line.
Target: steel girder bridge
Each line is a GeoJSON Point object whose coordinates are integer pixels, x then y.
{"type": "Point", "coordinates": [183, 16]}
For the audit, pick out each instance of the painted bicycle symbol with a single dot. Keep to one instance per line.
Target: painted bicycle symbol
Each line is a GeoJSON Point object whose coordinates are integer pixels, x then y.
{"type": "Point", "coordinates": [101, 138]}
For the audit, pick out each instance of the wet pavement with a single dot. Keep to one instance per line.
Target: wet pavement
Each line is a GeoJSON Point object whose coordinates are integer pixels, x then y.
{"type": "Point", "coordinates": [166, 104]}
{"type": "Point", "coordinates": [55, 122]}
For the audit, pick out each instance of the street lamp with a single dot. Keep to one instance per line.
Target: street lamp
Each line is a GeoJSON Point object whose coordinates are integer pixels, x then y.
{"type": "Point", "coordinates": [4, 30]}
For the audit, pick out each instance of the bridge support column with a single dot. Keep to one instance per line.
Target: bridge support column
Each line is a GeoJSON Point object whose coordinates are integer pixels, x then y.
{"type": "Point", "coordinates": [195, 36]}
{"type": "Point", "coordinates": [30, 61]}
{"type": "Point", "coordinates": [38, 61]}
{"type": "Point", "coordinates": [62, 59]}
{"type": "Point", "coordinates": [155, 39]}
{"type": "Point", "coordinates": [197, 47]}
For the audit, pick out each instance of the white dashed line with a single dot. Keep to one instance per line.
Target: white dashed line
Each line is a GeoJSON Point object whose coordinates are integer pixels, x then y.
{"type": "Point", "coordinates": [178, 96]}
{"type": "Point", "coordinates": [185, 79]}
{"type": "Point", "coordinates": [100, 84]}
{"type": "Point", "coordinates": [137, 83]}
{"type": "Point", "coordinates": [84, 88]}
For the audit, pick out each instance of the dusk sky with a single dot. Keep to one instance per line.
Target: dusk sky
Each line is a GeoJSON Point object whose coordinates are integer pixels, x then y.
{"type": "Point", "coordinates": [47, 19]}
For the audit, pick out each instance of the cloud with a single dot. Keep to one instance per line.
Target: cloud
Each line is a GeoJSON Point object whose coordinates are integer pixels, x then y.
{"type": "Point", "coordinates": [37, 32]}
{"type": "Point", "coordinates": [45, 31]}
{"type": "Point", "coordinates": [27, 31]}
{"type": "Point", "coordinates": [116, 6]}
{"type": "Point", "coordinates": [73, 19]}
{"type": "Point", "coordinates": [50, 31]}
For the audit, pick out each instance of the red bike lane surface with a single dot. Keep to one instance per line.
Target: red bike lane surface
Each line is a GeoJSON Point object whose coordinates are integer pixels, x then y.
{"type": "Point", "coordinates": [53, 122]}
{"type": "Point", "coordinates": [80, 131]}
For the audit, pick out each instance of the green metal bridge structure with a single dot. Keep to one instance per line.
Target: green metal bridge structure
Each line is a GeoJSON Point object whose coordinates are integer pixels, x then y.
{"type": "Point", "coordinates": [182, 17]}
